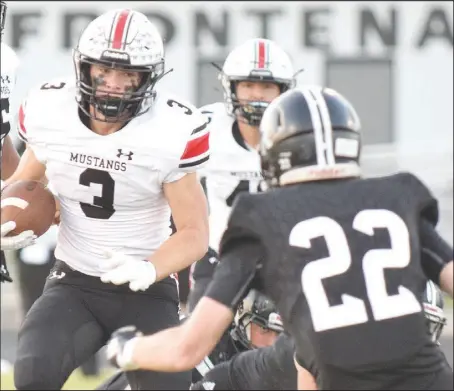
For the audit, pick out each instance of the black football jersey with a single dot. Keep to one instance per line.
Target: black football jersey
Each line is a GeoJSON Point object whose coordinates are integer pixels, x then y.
{"type": "Point", "coordinates": [341, 261]}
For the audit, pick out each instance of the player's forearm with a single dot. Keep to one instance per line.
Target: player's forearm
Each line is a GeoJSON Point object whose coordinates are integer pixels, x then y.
{"type": "Point", "coordinates": [10, 159]}
{"type": "Point", "coordinates": [29, 168]}
{"type": "Point", "coordinates": [182, 249]}
{"type": "Point", "coordinates": [446, 278]}
{"type": "Point", "coordinates": [164, 351]}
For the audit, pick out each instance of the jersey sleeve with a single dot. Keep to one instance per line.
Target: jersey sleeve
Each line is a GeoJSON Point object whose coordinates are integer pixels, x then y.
{"type": "Point", "coordinates": [236, 273]}
{"type": "Point", "coordinates": [240, 257]}
{"type": "Point", "coordinates": [436, 253]}
{"type": "Point", "coordinates": [196, 151]}
{"type": "Point", "coordinates": [426, 202]}
{"type": "Point", "coordinates": [28, 132]}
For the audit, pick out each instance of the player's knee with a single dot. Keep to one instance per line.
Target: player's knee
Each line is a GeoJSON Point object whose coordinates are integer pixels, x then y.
{"type": "Point", "coordinates": [36, 373]}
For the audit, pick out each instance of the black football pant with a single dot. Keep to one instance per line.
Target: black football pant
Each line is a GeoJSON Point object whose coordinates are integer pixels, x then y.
{"type": "Point", "coordinates": [33, 270]}
{"type": "Point", "coordinates": [75, 317]}
{"type": "Point", "coordinates": [270, 368]}
{"type": "Point", "coordinates": [32, 277]}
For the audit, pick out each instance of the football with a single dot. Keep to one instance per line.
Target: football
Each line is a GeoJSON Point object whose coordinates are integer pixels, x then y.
{"type": "Point", "coordinates": [30, 205]}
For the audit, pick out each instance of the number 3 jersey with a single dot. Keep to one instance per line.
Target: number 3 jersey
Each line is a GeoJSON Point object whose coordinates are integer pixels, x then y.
{"type": "Point", "coordinates": [234, 167]}
{"type": "Point", "coordinates": [9, 64]}
{"type": "Point", "coordinates": [110, 187]}
{"type": "Point", "coordinates": [341, 260]}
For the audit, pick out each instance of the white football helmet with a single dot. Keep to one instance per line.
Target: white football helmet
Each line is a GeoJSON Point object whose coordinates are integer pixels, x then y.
{"type": "Point", "coordinates": [255, 60]}
{"type": "Point", "coordinates": [123, 39]}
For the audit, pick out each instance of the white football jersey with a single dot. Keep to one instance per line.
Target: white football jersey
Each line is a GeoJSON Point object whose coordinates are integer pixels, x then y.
{"type": "Point", "coordinates": [9, 64]}
{"type": "Point", "coordinates": [111, 187]}
{"type": "Point", "coordinates": [233, 167]}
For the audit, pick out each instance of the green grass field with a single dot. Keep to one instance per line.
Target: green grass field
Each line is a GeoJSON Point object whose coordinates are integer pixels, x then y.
{"type": "Point", "coordinates": [77, 381]}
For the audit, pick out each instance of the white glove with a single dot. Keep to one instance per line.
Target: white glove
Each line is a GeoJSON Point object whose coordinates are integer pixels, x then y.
{"type": "Point", "coordinates": [139, 274]}
{"type": "Point", "coordinates": [24, 239]}
{"type": "Point", "coordinates": [120, 348]}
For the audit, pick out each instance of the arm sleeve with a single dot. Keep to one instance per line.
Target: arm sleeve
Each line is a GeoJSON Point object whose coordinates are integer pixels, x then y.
{"type": "Point", "coordinates": [236, 272]}
{"type": "Point", "coordinates": [435, 251]}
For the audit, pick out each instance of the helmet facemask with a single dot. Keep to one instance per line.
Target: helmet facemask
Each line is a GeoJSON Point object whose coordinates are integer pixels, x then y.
{"type": "Point", "coordinates": [248, 111]}
{"type": "Point", "coordinates": [258, 309]}
{"type": "Point", "coordinates": [436, 321]}
{"type": "Point", "coordinates": [115, 107]}
{"type": "Point", "coordinates": [243, 328]}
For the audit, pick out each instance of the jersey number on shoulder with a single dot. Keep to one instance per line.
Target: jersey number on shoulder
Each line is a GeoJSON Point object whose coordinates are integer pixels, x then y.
{"type": "Point", "coordinates": [173, 103]}
{"type": "Point", "coordinates": [47, 86]}
{"type": "Point", "coordinates": [353, 310]}
{"type": "Point", "coordinates": [102, 207]}
{"type": "Point", "coordinates": [5, 125]}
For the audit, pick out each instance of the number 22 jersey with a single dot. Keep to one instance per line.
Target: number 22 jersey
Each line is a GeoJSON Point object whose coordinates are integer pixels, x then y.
{"type": "Point", "coordinates": [110, 187]}
{"type": "Point", "coordinates": [341, 261]}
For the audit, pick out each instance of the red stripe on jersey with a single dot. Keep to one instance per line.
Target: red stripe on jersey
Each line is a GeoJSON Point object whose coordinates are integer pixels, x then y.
{"type": "Point", "coordinates": [22, 119]}
{"type": "Point", "coordinates": [197, 146]}
{"type": "Point", "coordinates": [261, 50]}
{"type": "Point", "coordinates": [119, 29]}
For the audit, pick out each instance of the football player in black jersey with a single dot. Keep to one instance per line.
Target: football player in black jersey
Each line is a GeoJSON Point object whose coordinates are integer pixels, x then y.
{"type": "Point", "coordinates": [345, 259]}
{"type": "Point", "coordinates": [270, 367]}
{"type": "Point", "coordinates": [256, 325]}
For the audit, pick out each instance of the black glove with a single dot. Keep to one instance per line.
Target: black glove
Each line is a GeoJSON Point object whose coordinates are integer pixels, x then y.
{"type": "Point", "coordinates": [4, 273]}
{"type": "Point", "coordinates": [120, 347]}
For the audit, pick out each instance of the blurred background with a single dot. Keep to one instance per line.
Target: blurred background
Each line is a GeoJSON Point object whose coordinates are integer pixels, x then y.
{"type": "Point", "coordinates": [393, 60]}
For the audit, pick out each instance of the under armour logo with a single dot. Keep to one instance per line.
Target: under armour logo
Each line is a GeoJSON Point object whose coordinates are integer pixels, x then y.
{"type": "Point", "coordinates": [129, 155]}
{"type": "Point", "coordinates": [208, 385]}
{"type": "Point", "coordinates": [56, 275]}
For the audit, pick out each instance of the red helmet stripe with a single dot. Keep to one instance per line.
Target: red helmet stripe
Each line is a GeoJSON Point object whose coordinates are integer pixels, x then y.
{"type": "Point", "coordinates": [262, 55]}
{"type": "Point", "coordinates": [119, 29]}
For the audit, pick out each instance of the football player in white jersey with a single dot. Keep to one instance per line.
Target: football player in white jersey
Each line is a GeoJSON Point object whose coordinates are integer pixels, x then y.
{"type": "Point", "coordinates": [121, 156]}
{"type": "Point", "coordinates": [253, 74]}
{"type": "Point", "coordinates": [9, 155]}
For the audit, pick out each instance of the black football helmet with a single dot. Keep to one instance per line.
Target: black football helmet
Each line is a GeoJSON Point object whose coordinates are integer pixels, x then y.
{"type": "Point", "coordinates": [3, 15]}
{"type": "Point", "coordinates": [255, 308]}
{"type": "Point", "coordinates": [309, 134]}
{"type": "Point", "coordinates": [433, 309]}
